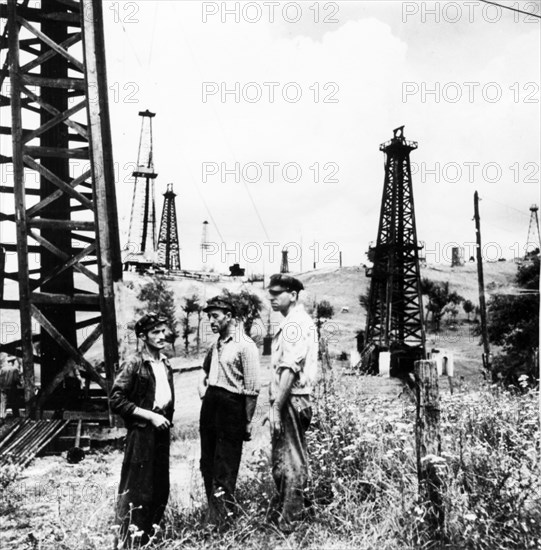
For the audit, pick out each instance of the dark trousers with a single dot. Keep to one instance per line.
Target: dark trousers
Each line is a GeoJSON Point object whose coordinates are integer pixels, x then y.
{"type": "Point", "coordinates": [222, 426]}
{"type": "Point", "coordinates": [290, 458]}
{"type": "Point", "coordinates": [9, 398]}
{"type": "Point", "coordinates": [144, 481]}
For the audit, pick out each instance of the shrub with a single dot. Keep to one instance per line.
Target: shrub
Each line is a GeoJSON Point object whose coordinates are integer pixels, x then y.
{"type": "Point", "coordinates": [9, 474]}
{"type": "Point", "coordinates": [158, 297]}
{"type": "Point", "coordinates": [364, 486]}
{"type": "Point", "coordinates": [513, 323]}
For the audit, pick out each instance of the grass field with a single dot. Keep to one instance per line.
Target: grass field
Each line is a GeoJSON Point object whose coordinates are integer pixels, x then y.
{"type": "Point", "coordinates": [361, 442]}
{"type": "Point", "coordinates": [364, 484]}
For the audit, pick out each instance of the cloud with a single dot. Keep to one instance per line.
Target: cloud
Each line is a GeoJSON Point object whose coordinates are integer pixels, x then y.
{"type": "Point", "coordinates": [363, 62]}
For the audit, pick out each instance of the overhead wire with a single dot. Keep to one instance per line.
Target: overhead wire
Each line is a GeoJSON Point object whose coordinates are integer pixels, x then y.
{"type": "Point", "coordinates": [192, 181]}
{"type": "Point", "coordinates": [254, 205]}
{"type": "Point", "coordinates": [498, 226]}
{"type": "Point", "coordinates": [512, 9]}
{"type": "Point", "coordinates": [151, 48]}
{"type": "Point", "coordinates": [131, 45]}
{"type": "Point", "coordinates": [489, 199]}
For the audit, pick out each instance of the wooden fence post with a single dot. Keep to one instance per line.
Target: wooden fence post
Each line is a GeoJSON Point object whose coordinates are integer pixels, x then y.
{"type": "Point", "coordinates": [430, 465]}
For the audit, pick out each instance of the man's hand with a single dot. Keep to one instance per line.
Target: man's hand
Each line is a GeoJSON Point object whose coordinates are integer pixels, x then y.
{"type": "Point", "coordinates": [275, 421]}
{"type": "Point", "coordinates": [248, 432]}
{"type": "Point", "coordinates": [159, 421]}
{"type": "Point", "coordinates": [202, 384]}
{"type": "Point", "coordinates": [202, 388]}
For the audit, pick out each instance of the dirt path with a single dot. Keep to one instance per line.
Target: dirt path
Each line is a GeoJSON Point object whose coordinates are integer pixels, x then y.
{"type": "Point", "coordinates": [54, 505]}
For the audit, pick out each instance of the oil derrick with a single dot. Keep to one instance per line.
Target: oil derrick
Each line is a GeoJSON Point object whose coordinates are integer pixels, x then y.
{"type": "Point", "coordinates": [284, 267]}
{"type": "Point", "coordinates": [63, 218]}
{"type": "Point", "coordinates": [168, 246]}
{"type": "Point", "coordinates": [534, 240]}
{"type": "Point", "coordinates": [205, 245]}
{"type": "Point", "coordinates": [457, 256]}
{"type": "Point", "coordinates": [142, 232]}
{"type": "Point", "coordinates": [395, 314]}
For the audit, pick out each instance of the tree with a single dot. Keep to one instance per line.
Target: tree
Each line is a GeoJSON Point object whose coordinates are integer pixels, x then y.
{"type": "Point", "coordinates": [364, 300]}
{"type": "Point", "coordinates": [191, 305]}
{"type": "Point", "coordinates": [468, 308]}
{"type": "Point", "coordinates": [439, 296]}
{"type": "Point", "coordinates": [158, 297]}
{"type": "Point", "coordinates": [248, 307]}
{"type": "Point", "coordinates": [324, 311]}
{"type": "Point", "coordinates": [427, 285]}
{"type": "Point", "coordinates": [513, 323]}
{"type": "Point", "coordinates": [451, 312]}
{"type": "Point", "coordinates": [454, 298]}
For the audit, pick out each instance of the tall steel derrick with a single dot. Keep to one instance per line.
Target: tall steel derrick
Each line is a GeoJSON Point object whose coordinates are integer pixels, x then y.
{"type": "Point", "coordinates": [395, 313]}
{"type": "Point", "coordinates": [62, 219]}
{"type": "Point", "coordinates": [168, 245]}
{"type": "Point", "coordinates": [142, 232]}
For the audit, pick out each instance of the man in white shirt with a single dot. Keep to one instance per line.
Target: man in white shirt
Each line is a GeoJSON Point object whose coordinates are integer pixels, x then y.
{"type": "Point", "coordinates": [294, 364]}
{"type": "Point", "coordinates": [143, 395]}
{"type": "Point", "coordinates": [229, 389]}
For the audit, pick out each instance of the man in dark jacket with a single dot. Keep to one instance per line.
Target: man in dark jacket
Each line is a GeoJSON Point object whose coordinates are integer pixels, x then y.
{"type": "Point", "coordinates": [143, 395]}
{"type": "Point", "coordinates": [10, 380]}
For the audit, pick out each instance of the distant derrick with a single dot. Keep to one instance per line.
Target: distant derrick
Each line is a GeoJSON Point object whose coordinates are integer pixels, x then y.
{"type": "Point", "coordinates": [142, 231]}
{"type": "Point", "coordinates": [534, 240]}
{"type": "Point", "coordinates": [284, 267]}
{"type": "Point", "coordinates": [457, 256]}
{"type": "Point", "coordinates": [205, 245]}
{"type": "Point", "coordinates": [168, 245]}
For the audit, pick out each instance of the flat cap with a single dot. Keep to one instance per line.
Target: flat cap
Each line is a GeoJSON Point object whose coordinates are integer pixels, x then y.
{"type": "Point", "coordinates": [286, 282]}
{"type": "Point", "coordinates": [219, 302]}
{"type": "Point", "coordinates": [148, 322]}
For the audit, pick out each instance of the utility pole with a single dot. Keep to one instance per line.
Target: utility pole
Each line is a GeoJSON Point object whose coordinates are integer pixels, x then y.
{"type": "Point", "coordinates": [482, 304]}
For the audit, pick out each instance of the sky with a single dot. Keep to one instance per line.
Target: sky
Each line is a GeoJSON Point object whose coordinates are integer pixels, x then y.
{"type": "Point", "coordinates": [269, 118]}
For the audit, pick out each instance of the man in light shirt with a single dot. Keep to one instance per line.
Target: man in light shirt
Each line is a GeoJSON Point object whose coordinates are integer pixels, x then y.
{"type": "Point", "coordinates": [294, 364]}
{"type": "Point", "coordinates": [229, 387]}
{"type": "Point", "coordinates": [143, 395]}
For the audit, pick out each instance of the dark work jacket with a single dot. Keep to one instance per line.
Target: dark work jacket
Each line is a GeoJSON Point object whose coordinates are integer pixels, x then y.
{"type": "Point", "coordinates": [135, 386]}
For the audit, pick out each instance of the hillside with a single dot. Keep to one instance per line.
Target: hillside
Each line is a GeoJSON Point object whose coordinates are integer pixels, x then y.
{"type": "Point", "coordinates": [342, 287]}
